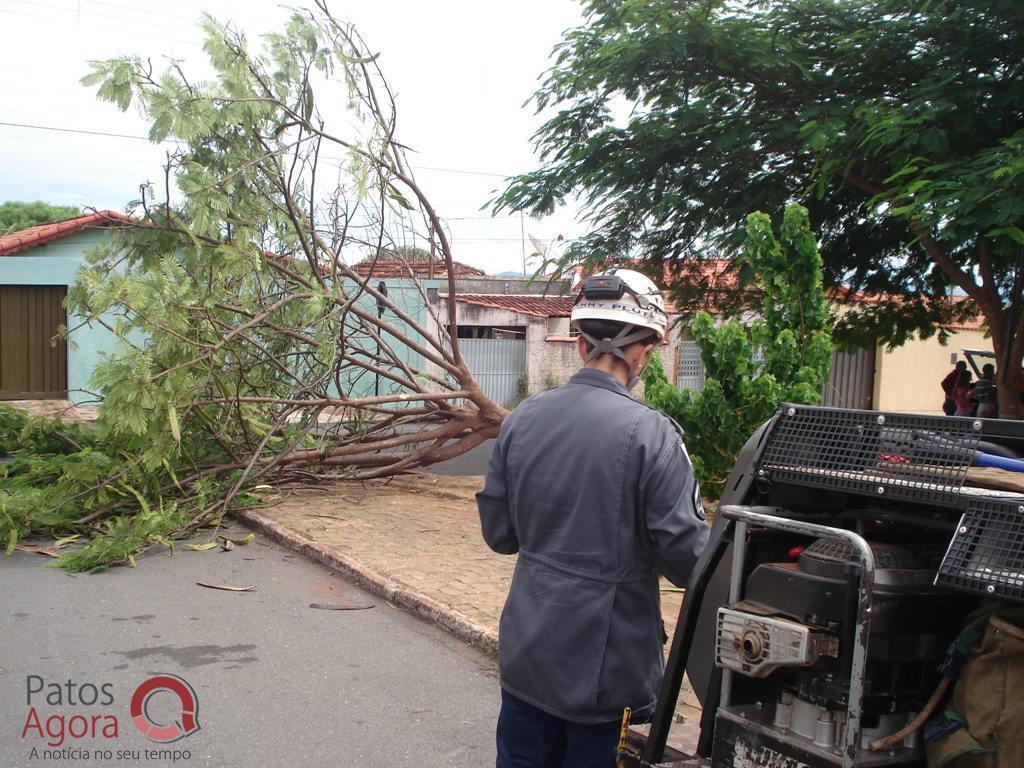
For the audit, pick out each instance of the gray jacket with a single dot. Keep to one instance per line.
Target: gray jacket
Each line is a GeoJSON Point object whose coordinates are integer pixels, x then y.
{"type": "Point", "coordinates": [595, 491]}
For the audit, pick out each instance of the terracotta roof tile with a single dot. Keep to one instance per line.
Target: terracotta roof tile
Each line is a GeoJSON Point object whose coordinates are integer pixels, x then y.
{"type": "Point", "coordinates": [421, 269]}
{"type": "Point", "coordinates": [716, 281]}
{"type": "Point", "coordinates": [524, 304]}
{"type": "Point", "coordinates": [42, 234]}
{"type": "Point", "coordinates": [845, 294]}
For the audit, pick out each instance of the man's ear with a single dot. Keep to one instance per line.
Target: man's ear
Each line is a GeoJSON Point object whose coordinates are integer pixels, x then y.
{"type": "Point", "coordinates": [581, 347]}
{"type": "Point", "coordinates": [645, 348]}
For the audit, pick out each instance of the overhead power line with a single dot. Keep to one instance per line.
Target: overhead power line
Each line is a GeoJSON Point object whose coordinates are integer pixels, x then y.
{"type": "Point", "coordinates": [151, 11]}
{"type": "Point", "coordinates": [456, 170]}
{"type": "Point", "coordinates": [79, 130]}
{"type": "Point", "coordinates": [112, 135]}
{"type": "Point", "coordinates": [144, 27]}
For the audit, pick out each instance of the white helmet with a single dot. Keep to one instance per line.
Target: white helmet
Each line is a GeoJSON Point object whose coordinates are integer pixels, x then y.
{"type": "Point", "coordinates": [621, 296]}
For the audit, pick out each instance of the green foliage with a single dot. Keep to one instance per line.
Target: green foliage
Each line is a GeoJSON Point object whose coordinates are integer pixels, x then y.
{"type": "Point", "coordinates": [238, 322]}
{"type": "Point", "coordinates": [123, 536]}
{"type": "Point", "coordinates": [210, 339]}
{"type": "Point", "coordinates": [70, 479]}
{"type": "Point", "coordinates": [899, 125]}
{"type": "Point", "coordinates": [522, 391]}
{"type": "Point", "coordinates": [51, 462]}
{"type": "Point", "coordinates": [409, 253]}
{"type": "Point", "coordinates": [15, 215]}
{"type": "Point", "coordinates": [784, 355]}
{"type": "Point", "coordinates": [65, 480]}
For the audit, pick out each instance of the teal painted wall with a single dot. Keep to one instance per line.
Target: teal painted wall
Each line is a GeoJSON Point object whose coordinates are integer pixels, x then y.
{"type": "Point", "coordinates": [57, 264]}
{"type": "Point", "coordinates": [404, 293]}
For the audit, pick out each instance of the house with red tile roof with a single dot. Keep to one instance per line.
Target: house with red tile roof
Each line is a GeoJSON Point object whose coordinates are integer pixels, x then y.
{"type": "Point", "coordinates": [399, 269]}
{"type": "Point", "coordinates": [513, 332]}
{"type": "Point", "coordinates": [518, 343]}
{"type": "Point", "coordinates": [874, 377]}
{"type": "Point", "coordinates": [37, 265]}
{"type": "Point", "coordinates": [44, 234]}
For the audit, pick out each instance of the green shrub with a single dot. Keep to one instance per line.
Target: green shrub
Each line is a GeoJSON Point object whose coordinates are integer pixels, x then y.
{"type": "Point", "coordinates": [784, 356]}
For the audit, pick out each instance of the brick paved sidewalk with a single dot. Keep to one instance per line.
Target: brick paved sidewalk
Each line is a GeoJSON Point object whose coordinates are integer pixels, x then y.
{"type": "Point", "coordinates": [416, 540]}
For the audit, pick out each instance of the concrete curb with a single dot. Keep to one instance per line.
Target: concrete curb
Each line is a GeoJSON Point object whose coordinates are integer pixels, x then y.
{"type": "Point", "coordinates": [483, 638]}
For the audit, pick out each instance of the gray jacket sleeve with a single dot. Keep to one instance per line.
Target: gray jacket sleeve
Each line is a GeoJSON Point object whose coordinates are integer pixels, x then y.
{"type": "Point", "coordinates": [493, 503]}
{"type": "Point", "coordinates": [672, 509]}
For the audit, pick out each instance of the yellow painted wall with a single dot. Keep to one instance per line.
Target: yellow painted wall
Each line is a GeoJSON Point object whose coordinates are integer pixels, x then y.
{"type": "Point", "coordinates": [907, 378]}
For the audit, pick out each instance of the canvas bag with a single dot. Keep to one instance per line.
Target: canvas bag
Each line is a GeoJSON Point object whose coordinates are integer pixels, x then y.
{"type": "Point", "coordinates": [989, 700]}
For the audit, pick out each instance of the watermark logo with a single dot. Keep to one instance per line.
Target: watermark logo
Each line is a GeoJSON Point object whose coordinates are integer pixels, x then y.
{"type": "Point", "coordinates": [69, 719]}
{"type": "Point", "coordinates": [165, 733]}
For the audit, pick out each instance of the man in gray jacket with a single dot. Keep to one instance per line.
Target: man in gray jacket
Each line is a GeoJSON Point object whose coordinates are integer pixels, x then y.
{"type": "Point", "coordinates": [596, 493]}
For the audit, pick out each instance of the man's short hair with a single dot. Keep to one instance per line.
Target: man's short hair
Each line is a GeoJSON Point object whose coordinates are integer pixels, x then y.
{"type": "Point", "coordinates": [988, 370]}
{"type": "Point", "coordinates": [608, 329]}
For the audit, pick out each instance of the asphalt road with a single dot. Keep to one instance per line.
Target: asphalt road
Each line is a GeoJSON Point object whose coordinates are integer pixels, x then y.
{"type": "Point", "coordinates": [278, 683]}
{"type": "Point", "coordinates": [473, 462]}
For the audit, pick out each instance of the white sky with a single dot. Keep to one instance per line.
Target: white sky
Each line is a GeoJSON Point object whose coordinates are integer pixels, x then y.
{"type": "Point", "coordinates": [461, 70]}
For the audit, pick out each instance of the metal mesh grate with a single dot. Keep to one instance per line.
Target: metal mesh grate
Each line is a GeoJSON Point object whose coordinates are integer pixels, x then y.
{"type": "Point", "coordinates": [901, 455]}
{"type": "Point", "coordinates": [691, 367]}
{"type": "Point", "coordinates": [886, 555]}
{"type": "Point", "coordinates": [986, 554]}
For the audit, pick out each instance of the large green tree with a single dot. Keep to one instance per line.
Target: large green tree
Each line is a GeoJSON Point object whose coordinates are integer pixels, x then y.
{"type": "Point", "coordinates": [16, 214]}
{"type": "Point", "coordinates": [898, 123]}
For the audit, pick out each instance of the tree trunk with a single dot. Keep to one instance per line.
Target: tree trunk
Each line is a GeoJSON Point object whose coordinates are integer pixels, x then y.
{"type": "Point", "coordinates": [1008, 388]}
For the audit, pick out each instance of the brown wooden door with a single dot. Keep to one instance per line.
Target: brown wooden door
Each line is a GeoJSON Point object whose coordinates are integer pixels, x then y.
{"type": "Point", "coordinates": [30, 367]}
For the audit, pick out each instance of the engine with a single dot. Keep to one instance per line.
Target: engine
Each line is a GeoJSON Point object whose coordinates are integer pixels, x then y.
{"type": "Point", "coordinates": [848, 551]}
{"type": "Point", "coordinates": [794, 633]}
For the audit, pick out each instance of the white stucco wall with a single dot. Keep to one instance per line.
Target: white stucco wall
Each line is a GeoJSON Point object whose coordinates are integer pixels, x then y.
{"type": "Point", "coordinates": [551, 357]}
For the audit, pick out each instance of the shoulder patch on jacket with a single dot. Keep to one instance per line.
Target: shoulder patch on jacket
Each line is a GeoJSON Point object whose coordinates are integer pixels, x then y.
{"type": "Point", "coordinates": [698, 504]}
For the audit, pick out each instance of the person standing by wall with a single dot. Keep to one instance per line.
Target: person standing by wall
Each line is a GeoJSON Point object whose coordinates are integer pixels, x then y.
{"type": "Point", "coordinates": [985, 393]}
{"type": "Point", "coordinates": [962, 394]}
{"type": "Point", "coordinates": [596, 493]}
{"type": "Point", "coordinates": [949, 385]}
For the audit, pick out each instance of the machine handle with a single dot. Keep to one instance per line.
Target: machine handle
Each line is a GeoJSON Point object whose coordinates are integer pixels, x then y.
{"type": "Point", "coordinates": [762, 516]}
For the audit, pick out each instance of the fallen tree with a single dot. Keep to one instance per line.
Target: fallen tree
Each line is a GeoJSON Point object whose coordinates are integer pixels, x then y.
{"type": "Point", "coordinates": [248, 349]}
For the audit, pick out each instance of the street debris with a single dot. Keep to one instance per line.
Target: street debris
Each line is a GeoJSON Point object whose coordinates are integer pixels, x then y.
{"type": "Point", "coordinates": [342, 606]}
{"type": "Point", "coordinates": [226, 587]}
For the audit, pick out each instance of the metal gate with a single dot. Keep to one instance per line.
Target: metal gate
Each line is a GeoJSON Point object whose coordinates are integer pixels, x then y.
{"type": "Point", "coordinates": [30, 368]}
{"type": "Point", "coordinates": [851, 381]}
{"type": "Point", "coordinates": [691, 367]}
{"type": "Point", "coordinates": [498, 365]}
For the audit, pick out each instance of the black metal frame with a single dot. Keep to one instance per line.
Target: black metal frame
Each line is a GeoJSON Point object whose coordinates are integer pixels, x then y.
{"type": "Point", "coordinates": [892, 455]}
{"type": "Point", "coordinates": [682, 640]}
{"type": "Point", "coordinates": [986, 554]}
{"type": "Point", "coordinates": [922, 459]}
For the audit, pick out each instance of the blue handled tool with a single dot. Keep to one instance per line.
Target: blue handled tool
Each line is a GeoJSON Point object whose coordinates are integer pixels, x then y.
{"type": "Point", "coordinates": [999, 462]}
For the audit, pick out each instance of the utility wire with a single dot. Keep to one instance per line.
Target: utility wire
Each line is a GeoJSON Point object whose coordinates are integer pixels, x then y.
{"type": "Point", "coordinates": [82, 131]}
{"type": "Point", "coordinates": [185, 19]}
{"type": "Point", "coordinates": [79, 12]}
{"type": "Point", "coordinates": [133, 24]}
{"type": "Point", "coordinates": [108, 134]}
{"type": "Point", "coordinates": [456, 170]}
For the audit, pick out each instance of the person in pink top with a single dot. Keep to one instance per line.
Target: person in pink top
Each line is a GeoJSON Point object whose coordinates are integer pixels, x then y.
{"type": "Point", "coordinates": [962, 394]}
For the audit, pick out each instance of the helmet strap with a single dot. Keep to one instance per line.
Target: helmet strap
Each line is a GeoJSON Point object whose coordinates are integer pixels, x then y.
{"type": "Point", "coordinates": [634, 380]}
{"type": "Point", "coordinates": [614, 345]}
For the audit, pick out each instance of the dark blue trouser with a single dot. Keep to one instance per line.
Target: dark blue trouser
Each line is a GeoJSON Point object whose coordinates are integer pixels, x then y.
{"type": "Point", "coordinates": [531, 738]}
